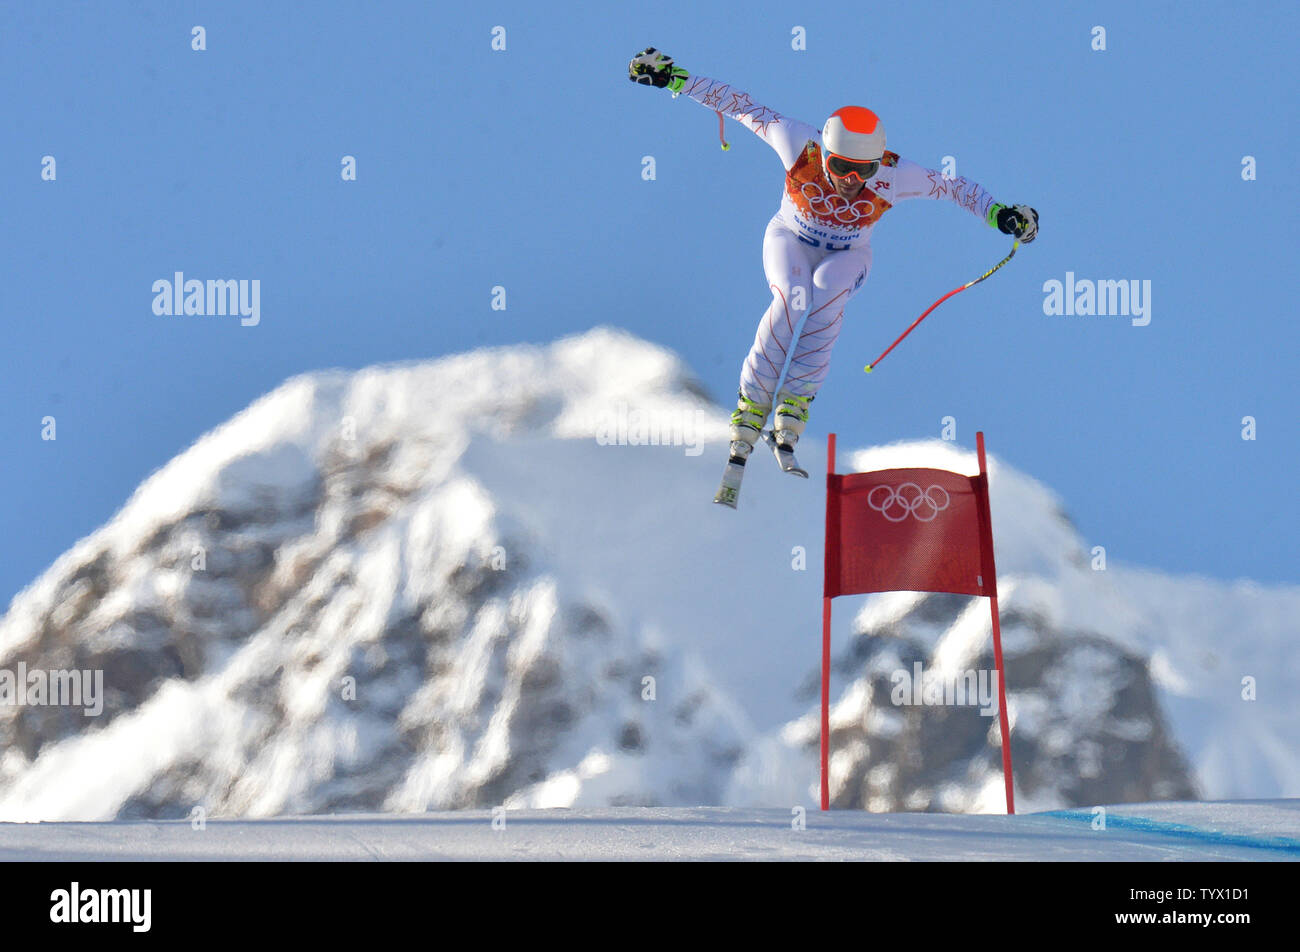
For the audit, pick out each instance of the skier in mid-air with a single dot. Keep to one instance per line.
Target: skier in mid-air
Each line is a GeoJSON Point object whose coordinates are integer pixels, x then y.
{"type": "Point", "coordinates": [817, 250]}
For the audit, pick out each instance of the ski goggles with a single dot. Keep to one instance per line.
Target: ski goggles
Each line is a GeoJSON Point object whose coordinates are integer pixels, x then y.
{"type": "Point", "coordinates": [841, 167]}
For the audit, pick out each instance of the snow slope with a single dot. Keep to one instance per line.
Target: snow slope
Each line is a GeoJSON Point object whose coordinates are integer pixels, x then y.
{"type": "Point", "coordinates": [1220, 832]}
{"type": "Point", "coordinates": [445, 585]}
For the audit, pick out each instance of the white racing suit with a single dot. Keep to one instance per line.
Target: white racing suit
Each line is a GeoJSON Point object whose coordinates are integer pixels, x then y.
{"type": "Point", "coordinates": [817, 248]}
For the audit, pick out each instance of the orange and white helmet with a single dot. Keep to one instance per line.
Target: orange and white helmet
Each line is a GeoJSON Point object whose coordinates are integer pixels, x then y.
{"type": "Point", "coordinates": [853, 143]}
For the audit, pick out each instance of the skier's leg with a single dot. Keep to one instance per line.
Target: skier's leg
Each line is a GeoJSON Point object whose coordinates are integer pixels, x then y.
{"type": "Point", "coordinates": [788, 264]}
{"type": "Point", "coordinates": [836, 279]}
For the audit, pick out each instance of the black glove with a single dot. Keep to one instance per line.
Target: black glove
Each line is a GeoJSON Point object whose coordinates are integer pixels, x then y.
{"type": "Point", "coordinates": [652, 68]}
{"type": "Point", "coordinates": [1020, 221]}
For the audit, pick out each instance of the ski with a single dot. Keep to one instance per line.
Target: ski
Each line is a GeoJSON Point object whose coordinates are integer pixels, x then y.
{"type": "Point", "coordinates": [784, 456]}
{"type": "Point", "coordinates": [729, 491]}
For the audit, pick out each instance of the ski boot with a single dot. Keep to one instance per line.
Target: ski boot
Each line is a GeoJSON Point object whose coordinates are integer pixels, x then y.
{"type": "Point", "coordinates": [791, 418]}
{"type": "Point", "coordinates": [746, 425]}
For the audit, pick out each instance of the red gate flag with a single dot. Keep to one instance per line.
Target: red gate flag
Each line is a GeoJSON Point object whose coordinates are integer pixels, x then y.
{"type": "Point", "coordinates": [909, 530]}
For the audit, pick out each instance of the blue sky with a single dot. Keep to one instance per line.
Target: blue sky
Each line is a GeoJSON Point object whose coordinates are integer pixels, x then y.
{"type": "Point", "coordinates": [522, 168]}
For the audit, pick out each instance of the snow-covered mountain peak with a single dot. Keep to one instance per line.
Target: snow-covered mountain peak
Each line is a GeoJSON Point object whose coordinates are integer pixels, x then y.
{"type": "Point", "coordinates": [496, 577]}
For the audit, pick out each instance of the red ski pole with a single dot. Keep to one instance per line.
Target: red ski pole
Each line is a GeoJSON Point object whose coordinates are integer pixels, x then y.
{"type": "Point", "coordinates": [1014, 245]}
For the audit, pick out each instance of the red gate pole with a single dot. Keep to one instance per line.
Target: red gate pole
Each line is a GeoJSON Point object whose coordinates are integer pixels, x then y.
{"type": "Point", "coordinates": [997, 635]}
{"type": "Point", "coordinates": [826, 639]}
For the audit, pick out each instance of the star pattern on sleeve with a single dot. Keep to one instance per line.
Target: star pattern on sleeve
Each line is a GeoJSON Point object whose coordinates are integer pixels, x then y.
{"type": "Point", "coordinates": [721, 98]}
{"type": "Point", "coordinates": [937, 184]}
{"type": "Point", "coordinates": [964, 194]}
{"type": "Point", "coordinates": [760, 117]}
{"type": "Point", "coordinates": [713, 97]}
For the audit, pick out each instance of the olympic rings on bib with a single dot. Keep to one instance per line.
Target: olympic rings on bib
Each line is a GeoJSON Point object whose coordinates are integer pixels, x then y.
{"type": "Point", "coordinates": [833, 205]}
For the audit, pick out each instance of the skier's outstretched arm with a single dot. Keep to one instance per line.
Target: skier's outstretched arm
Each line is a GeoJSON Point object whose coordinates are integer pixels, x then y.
{"type": "Point", "coordinates": [787, 136]}
{"type": "Point", "coordinates": [914, 180]}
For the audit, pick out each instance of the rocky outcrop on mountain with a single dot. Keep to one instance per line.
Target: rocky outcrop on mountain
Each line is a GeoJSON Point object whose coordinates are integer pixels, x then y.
{"type": "Point", "coordinates": [918, 728]}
